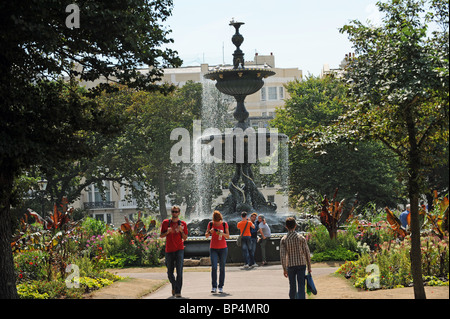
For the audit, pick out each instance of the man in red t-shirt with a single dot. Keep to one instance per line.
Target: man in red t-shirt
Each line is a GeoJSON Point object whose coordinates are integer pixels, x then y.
{"type": "Point", "coordinates": [175, 231]}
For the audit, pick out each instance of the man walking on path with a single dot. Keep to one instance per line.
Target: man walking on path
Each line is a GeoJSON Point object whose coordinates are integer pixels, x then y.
{"type": "Point", "coordinates": [295, 257]}
{"type": "Point", "coordinates": [175, 231]}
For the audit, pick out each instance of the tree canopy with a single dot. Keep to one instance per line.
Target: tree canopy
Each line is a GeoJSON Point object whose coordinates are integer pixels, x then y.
{"type": "Point", "coordinates": [398, 95]}
{"type": "Point", "coordinates": [43, 121]}
{"type": "Point", "coordinates": [364, 170]}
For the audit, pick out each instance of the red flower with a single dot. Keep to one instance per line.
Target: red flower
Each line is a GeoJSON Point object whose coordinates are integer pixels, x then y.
{"type": "Point", "coordinates": [30, 263]}
{"type": "Point", "coordinates": [20, 276]}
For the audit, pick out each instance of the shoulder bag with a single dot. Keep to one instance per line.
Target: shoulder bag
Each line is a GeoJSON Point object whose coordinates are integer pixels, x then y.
{"type": "Point", "coordinates": [239, 239]}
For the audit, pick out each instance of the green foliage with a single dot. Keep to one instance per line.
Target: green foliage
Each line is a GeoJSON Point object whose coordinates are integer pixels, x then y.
{"type": "Point", "coordinates": [339, 253]}
{"type": "Point", "coordinates": [342, 247]}
{"type": "Point", "coordinates": [31, 265]}
{"type": "Point", "coordinates": [398, 95]}
{"type": "Point", "coordinates": [93, 227]}
{"type": "Point", "coordinates": [43, 122]}
{"type": "Point", "coordinates": [393, 260]}
{"type": "Point", "coordinates": [58, 289]}
{"type": "Point", "coordinates": [319, 102]}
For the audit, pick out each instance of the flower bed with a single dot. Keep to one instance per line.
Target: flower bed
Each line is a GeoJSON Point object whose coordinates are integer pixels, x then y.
{"type": "Point", "coordinates": [394, 267]}
{"type": "Point", "coordinates": [43, 254]}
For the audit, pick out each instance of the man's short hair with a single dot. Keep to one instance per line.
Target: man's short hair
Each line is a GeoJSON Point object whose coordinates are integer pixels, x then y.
{"type": "Point", "coordinates": [254, 214]}
{"type": "Point", "coordinates": [290, 223]}
{"type": "Point", "coordinates": [244, 214]}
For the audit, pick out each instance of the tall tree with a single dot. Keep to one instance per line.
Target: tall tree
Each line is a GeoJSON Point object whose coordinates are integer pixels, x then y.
{"type": "Point", "coordinates": [365, 168]}
{"type": "Point", "coordinates": [399, 95]}
{"type": "Point", "coordinates": [38, 122]}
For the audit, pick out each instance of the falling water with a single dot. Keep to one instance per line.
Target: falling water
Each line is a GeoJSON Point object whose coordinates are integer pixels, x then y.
{"type": "Point", "coordinates": [284, 175]}
{"type": "Point", "coordinates": [214, 116]}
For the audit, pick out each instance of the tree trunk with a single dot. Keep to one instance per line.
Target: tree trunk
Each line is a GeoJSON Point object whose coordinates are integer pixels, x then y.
{"type": "Point", "coordinates": [7, 276]}
{"type": "Point", "coordinates": [162, 195]}
{"type": "Point", "coordinates": [414, 192]}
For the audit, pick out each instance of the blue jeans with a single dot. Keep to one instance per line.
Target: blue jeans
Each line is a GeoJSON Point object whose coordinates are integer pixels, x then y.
{"type": "Point", "coordinates": [175, 260]}
{"type": "Point", "coordinates": [253, 242]}
{"type": "Point", "coordinates": [296, 275]}
{"type": "Point", "coordinates": [221, 256]}
{"type": "Point", "coordinates": [246, 246]}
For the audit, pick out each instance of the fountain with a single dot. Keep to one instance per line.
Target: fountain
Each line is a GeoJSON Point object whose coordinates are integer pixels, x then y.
{"type": "Point", "coordinates": [240, 82]}
{"type": "Point", "coordinates": [242, 146]}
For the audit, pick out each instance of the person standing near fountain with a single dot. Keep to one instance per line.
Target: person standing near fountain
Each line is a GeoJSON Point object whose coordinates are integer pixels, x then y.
{"type": "Point", "coordinates": [218, 250]}
{"type": "Point", "coordinates": [175, 231]}
{"type": "Point", "coordinates": [244, 226]}
{"type": "Point", "coordinates": [265, 232]}
{"type": "Point", "coordinates": [253, 240]}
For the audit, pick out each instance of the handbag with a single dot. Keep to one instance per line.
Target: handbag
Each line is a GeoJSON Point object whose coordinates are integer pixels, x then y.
{"type": "Point", "coordinates": [239, 239]}
{"type": "Point", "coordinates": [310, 286]}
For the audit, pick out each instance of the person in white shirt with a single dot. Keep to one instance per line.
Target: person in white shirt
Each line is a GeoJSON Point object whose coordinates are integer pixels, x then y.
{"type": "Point", "coordinates": [264, 230]}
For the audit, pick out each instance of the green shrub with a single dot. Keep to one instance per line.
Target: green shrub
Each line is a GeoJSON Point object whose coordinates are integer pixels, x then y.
{"type": "Point", "coordinates": [319, 240]}
{"type": "Point", "coordinates": [338, 253]}
{"type": "Point", "coordinates": [54, 289]}
{"type": "Point", "coordinates": [31, 265]}
{"type": "Point", "coordinates": [93, 227]}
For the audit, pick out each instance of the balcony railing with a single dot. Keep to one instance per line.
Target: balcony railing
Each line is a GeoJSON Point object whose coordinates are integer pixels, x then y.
{"type": "Point", "coordinates": [97, 205]}
{"type": "Point", "coordinates": [128, 203]}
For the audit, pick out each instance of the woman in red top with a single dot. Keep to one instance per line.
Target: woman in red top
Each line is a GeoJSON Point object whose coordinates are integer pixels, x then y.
{"type": "Point", "coordinates": [219, 232]}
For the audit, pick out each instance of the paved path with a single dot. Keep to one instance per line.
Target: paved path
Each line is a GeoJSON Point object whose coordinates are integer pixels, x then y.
{"type": "Point", "coordinates": [256, 283]}
{"type": "Point", "coordinates": [268, 282]}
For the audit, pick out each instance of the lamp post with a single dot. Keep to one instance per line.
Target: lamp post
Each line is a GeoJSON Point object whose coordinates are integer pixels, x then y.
{"type": "Point", "coordinates": [42, 183]}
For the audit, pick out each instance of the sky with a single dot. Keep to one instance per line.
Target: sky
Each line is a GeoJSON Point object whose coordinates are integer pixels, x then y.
{"type": "Point", "coordinates": [301, 34]}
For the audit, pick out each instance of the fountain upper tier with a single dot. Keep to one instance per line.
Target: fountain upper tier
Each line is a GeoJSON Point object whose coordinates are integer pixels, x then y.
{"type": "Point", "coordinates": [239, 82]}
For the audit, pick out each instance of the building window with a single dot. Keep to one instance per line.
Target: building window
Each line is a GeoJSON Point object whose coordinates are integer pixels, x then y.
{"type": "Point", "coordinates": [272, 93]}
{"type": "Point", "coordinates": [263, 94]}
{"type": "Point", "coordinates": [98, 199]}
{"type": "Point", "coordinates": [281, 93]}
{"type": "Point", "coordinates": [95, 195]}
{"type": "Point", "coordinates": [271, 198]}
{"type": "Point", "coordinates": [104, 217]}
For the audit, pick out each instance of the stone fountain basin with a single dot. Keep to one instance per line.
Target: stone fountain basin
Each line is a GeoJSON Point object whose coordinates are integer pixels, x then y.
{"type": "Point", "coordinates": [258, 145]}
{"type": "Point", "coordinates": [239, 82]}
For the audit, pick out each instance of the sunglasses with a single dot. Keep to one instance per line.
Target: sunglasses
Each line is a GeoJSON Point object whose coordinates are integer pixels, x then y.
{"type": "Point", "coordinates": [175, 211]}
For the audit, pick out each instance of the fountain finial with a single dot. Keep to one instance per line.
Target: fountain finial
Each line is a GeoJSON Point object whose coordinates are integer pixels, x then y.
{"type": "Point", "coordinates": [237, 39]}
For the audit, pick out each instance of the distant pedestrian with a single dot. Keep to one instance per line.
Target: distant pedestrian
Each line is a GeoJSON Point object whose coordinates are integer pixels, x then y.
{"type": "Point", "coordinates": [244, 226]}
{"type": "Point", "coordinates": [253, 240]}
{"type": "Point", "coordinates": [218, 250]}
{"type": "Point", "coordinates": [404, 216]}
{"type": "Point", "coordinates": [295, 258]}
{"type": "Point", "coordinates": [265, 232]}
{"type": "Point", "coordinates": [175, 231]}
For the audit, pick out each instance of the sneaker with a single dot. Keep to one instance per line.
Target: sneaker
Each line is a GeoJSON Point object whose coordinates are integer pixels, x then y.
{"type": "Point", "coordinates": [220, 290]}
{"type": "Point", "coordinates": [246, 266]}
{"type": "Point", "coordinates": [178, 295]}
{"type": "Point", "coordinates": [254, 265]}
{"type": "Point", "coordinates": [213, 290]}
